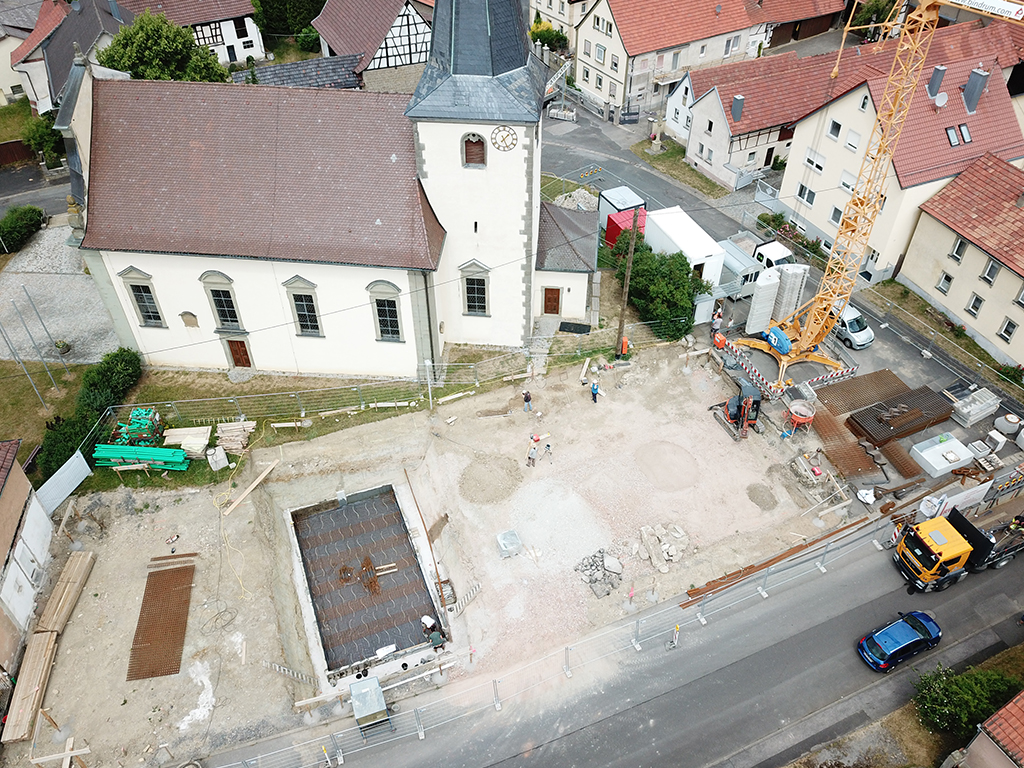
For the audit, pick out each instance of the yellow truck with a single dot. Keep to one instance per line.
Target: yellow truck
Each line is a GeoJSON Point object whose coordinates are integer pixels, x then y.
{"type": "Point", "coordinates": [935, 554]}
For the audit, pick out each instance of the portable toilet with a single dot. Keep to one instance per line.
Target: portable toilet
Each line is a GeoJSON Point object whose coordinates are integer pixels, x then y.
{"type": "Point", "coordinates": [616, 200]}
{"type": "Point", "coordinates": [623, 222]}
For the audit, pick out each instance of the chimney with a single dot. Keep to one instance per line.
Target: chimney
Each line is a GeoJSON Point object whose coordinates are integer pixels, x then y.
{"type": "Point", "coordinates": [974, 88]}
{"type": "Point", "coordinates": [933, 85]}
{"type": "Point", "coordinates": [1020, 200]}
{"type": "Point", "coordinates": [115, 11]}
{"type": "Point", "coordinates": [737, 108]}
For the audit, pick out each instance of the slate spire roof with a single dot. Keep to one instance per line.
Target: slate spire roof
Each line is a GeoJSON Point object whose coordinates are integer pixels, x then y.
{"type": "Point", "coordinates": [480, 66]}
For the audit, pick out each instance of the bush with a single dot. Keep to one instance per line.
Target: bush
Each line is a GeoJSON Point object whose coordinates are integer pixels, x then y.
{"type": "Point", "coordinates": [308, 40]}
{"type": "Point", "coordinates": [39, 135]}
{"type": "Point", "coordinates": [778, 163]}
{"type": "Point", "coordinates": [772, 220]}
{"type": "Point", "coordinates": [545, 34]}
{"type": "Point", "coordinates": [18, 225]}
{"type": "Point", "coordinates": [105, 384]}
{"type": "Point", "coordinates": [1012, 373]}
{"type": "Point", "coordinates": [956, 703]}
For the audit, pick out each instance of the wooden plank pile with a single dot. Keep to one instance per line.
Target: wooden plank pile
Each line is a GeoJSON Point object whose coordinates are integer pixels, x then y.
{"type": "Point", "coordinates": [153, 458]}
{"type": "Point", "coordinates": [33, 675]}
{"type": "Point", "coordinates": [193, 440]}
{"type": "Point", "coordinates": [66, 592]}
{"type": "Point", "coordinates": [233, 436]}
{"type": "Point", "coordinates": [142, 428]}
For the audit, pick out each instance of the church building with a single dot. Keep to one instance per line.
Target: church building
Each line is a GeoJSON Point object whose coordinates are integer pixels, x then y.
{"type": "Point", "coordinates": [320, 230]}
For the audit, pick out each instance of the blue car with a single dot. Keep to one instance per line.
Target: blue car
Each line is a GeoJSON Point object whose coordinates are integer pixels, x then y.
{"type": "Point", "coordinates": [882, 649]}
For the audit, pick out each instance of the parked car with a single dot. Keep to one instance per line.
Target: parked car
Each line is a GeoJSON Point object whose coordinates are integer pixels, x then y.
{"type": "Point", "coordinates": [883, 648]}
{"type": "Point", "coordinates": [852, 329]}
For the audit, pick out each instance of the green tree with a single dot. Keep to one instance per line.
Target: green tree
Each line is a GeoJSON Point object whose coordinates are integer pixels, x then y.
{"type": "Point", "coordinates": [873, 12]}
{"type": "Point", "coordinates": [39, 136]}
{"type": "Point", "coordinates": [153, 48]}
{"type": "Point", "coordinates": [663, 288]}
{"type": "Point", "coordinates": [308, 40]}
{"type": "Point", "coordinates": [301, 13]}
{"type": "Point", "coordinates": [543, 32]}
{"type": "Point", "coordinates": [18, 225]}
{"type": "Point", "coordinates": [956, 703]}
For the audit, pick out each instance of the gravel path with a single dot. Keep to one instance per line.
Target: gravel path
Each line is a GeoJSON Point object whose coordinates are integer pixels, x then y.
{"type": "Point", "coordinates": [66, 297]}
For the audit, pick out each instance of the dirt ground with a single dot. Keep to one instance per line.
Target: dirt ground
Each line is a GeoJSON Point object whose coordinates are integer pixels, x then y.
{"type": "Point", "coordinates": [647, 453]}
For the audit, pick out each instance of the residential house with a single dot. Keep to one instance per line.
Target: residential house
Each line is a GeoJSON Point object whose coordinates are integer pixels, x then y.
{"type": "Point", "coordinates": [999, 742]}
{"type": "Point", "coordinates": [17, 19]}
{"type": "Point", "coordinates": [354, 233]}
{"type": "Point", "coordinates": [391, 38]}
{"type": "Point", "coordinates": [562, 15]}
{"type": "Point", "coordinates": [226, 27]}
{"type": "Point", "coordinates": [25, 532]}
{"type": "Point", "coordinates": [28, 61]}
{"type": "Point", "coordinates": [330, 72]}
{"type": "Point", "coordinates": [799, 19]}
{"type": "Point", "coordinates": [631, 52]}
{"type": "Point", "coordinates": [966, 256]}
{"type": "Point", "coordinates": [567, 264]}
{"type": "Point", "coordinates": [965, 112]}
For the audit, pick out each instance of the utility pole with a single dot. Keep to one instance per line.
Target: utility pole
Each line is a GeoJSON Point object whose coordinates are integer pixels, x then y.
{"type": "Point", "coordinates": [625, 282]}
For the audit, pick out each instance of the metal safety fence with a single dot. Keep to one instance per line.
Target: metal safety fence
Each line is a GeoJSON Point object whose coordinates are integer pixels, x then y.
{"type": "Point", "coordinates": [654, 631]}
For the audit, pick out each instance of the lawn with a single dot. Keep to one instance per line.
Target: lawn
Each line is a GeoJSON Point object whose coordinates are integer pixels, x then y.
{"type": "Point", "coordinates": [21, 413]}
{"type": "Point", "coordinates": [286, 51]}
{"type": "Point", "coordinates": [672, 161]}
{"type": "Point", "coordinates": [13, 119]}
{"type": "Point", "coordinates": [553, 186]}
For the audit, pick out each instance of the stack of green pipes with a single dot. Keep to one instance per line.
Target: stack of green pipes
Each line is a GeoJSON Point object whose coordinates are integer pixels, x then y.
{"type": "Point", "coordinates": [143, 428]}
{"type": "Point", "coordinates": [125, 455]}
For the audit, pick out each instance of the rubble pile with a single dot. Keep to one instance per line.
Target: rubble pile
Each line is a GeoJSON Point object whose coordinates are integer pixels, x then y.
{"type": "Point", "coordinates": [662, 545]}
{"type": "Point", "coordinates": [601, 571]}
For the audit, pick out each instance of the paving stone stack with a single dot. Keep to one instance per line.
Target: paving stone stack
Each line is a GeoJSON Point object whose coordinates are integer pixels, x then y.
{"type": "Point", "coordinates": [601, 571]}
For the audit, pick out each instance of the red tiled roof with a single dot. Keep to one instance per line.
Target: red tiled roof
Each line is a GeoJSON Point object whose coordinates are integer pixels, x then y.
{"type": "Point", "coordinates": [653, 25]}
{"type": "Point", "coordinates": [355, 26]}
{"type": "Point", "coordinates": [1006, 728]}
{"type": "Point", "coordinates": [8, 455]}
{"type": "Point", "coordinates": [980, 205]}
{"type": "Point", "coordinates": [924, 153]}
{"type": "Point", "coordinates": [782, 11]}
{"type": "Point", "coordinates": [781, 89]}
{"type": "Point", "coordinates": [185, 13]}
{"type": "Point", "coordinates": [51, 14]}
{"type": "Point", "coordinates": [329, 175]}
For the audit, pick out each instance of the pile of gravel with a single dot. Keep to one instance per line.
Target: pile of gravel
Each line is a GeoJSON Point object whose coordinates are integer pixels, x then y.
{"type": "Point", "coordinates": [578, 200]}
{"type": "Point", "coordinates": [601, 571]}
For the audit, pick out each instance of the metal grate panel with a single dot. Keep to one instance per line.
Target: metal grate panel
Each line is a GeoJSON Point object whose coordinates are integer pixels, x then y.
{"type": "Point", "coordinates": [882, 422]}
{"type": "Point", "coordinates": [861, 391]}
{"type": "Point", "coordinates": [840, 446]}
{"type": "Point", "coordinates": [160, 633]}
{"type": "Point", "coordinates": [900, 460]}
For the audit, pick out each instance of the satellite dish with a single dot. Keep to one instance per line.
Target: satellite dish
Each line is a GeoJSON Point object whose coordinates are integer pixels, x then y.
{"type": "Point", "coordinates": [718, 9]}
{"type": "Point", "coordinates": [941, 99]}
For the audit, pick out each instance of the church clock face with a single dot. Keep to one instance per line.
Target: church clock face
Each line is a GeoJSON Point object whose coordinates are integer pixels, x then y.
{"type": "Point", "coordinates": [504, 138]}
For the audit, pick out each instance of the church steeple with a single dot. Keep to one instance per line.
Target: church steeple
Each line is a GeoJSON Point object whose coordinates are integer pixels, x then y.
{"type": "Point", "coordinates": [480, 65]}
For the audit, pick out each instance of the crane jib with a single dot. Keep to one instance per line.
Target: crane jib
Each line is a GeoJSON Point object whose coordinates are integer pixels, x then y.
{"type": "Point", "coordinates": [1002, 8]}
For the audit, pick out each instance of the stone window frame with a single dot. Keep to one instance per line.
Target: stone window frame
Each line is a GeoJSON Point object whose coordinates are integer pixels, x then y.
{"type": "Point", "coordinates": [475, 270]}
{"type": "Point", "coordinates": [974, 305]}
{"type": "Point", "coordinates": [473, 137]}
{"type": "Point", "coordinates": [1005, 331]}
{"type": "Point", "coordinates": [959, 250]}
{"type": "Point", "coordinates": [944, 283]}
{"type": "Point", "coordinates": [991, 271]}
{"type": "Point", "coordinates": [299, 286]}
{"type": "Point", "coordinates": [382, 290]}
{"type": "Point", "coordinates": [131, 276]}
{"type": "Point", "coordinates": [214, 280]}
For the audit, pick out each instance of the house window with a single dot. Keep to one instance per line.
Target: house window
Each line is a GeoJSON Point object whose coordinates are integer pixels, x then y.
{"type": "Point", "coordinates": [852, 140]}
{"type": "Point", "coordinates": [247, 44]}
{"type": "Point", "coordinates": [711, 154]}
{"type": "Point", "coordinates": [991, 270]}
{"type": "Point", "coordinates": [586, 47]}
{"type": "Point", "coordinates": [703, 50]}
{"type": "Point", "coordinates": [615, 63]}
{"type": "Point", "coordinates": [974, 305]}
{"type": "Point", "coordinates": [751, 158]}
{"type": "Point", "coordinates": [732, 45]}
{"type": "Point", "coordinates": [954, 140]}
{"type": "Point", "coordinates": [598, 82]}
{"type": "Point", "coordinates": [1020, 297]}
{"type": "Point", "coordinates": [675, 115]}
{"type": "Point", "coordinates": [827, 245]}
{"type": "Point", "coordinates": [1007, 329]}
{"type": "Point", "coordinates": [805, 194]}
{"type": "Point", "coordinates": [17, 90]}
{"type": "Point", "coordinates": [864, 102]}
{"type": "Point", "coordinates": [140, 286]}
{"type": "Point", "coordinates": [689, 120]}
{"type": "Point", "coordinates": [612, 90]}
{"type": "Point", "coordinates": [959, 249]}
{"type": "Point", "coordinates": [945, 280]}
{"type": "Point", "coordinates": [302, 298]}
{"type": "Point", "coordinates": [847, 181]}
{"type": "Point", "coordinates": [561, 7]}
{"type": "Point", "coordinates": [661, 61]}
{"type": "Point", "coordinates": [965, 133]}
{"type": "Point", "coordinates": [208, 34]}
{"type": "Point", "coordinates": [837, 215]}
{"type": "Point", "coordinates": [550, 2]}
{"type": "Point", "coordinates": [675, 60]}
{"type": "Point", "coordinates": [599, 52]}
{"type": "Point", "coordinates": [834, 129]}
{"type": "Point", "coordinates": [700, 150]}
{"type": "Point", "coordinates": [815, 161]}
{"type": "Point", "coordinates": [240, 31]}
{"type": "Point", "coordinates": [686, 93]}
{"type": "Point", "coordinates": [384, 302]}
{"type": "Point", "coordinates": [584, 11]}
{"type": "Point", "coordinates": [710, 128]}
{"type": "Point", "coordinates": [222, 300]}
{"type": "Point", "coordinates": [475, 278]}
{"type": "Point", "coordinates": [474, 151]}
{"type": "Point", "coordinates": [597, 21]}
{"type": "Point", "coordinates": [608, 28]}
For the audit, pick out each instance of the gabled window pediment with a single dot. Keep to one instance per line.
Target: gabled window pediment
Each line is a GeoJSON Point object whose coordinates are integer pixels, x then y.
{"type": "Point", "coordinates": [298, 283]}
{"type": "Point", "coordinates": [133, 273]}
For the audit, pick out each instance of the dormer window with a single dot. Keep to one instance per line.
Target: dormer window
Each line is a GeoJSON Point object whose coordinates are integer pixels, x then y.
{"type": "Point", "coordinates": [474, 151]}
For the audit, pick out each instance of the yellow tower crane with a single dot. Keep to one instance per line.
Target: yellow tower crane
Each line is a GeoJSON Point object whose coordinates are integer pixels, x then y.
{"type": "Point", "coordinates": [808, 326]}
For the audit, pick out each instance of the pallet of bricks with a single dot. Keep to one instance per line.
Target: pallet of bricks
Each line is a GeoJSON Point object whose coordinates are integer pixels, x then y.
{"type": "Point", "coordinates": [233, 436]}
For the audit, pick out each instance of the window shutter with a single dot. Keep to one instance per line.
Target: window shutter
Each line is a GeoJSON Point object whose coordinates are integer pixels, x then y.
{"type": "Point", "coordinates": [475, 152]}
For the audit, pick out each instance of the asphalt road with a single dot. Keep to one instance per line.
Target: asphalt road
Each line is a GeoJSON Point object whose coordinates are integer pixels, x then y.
{"type": "Point", "coordinates": [24, 185]}
{"type": "Point", "coordinates": [763, 682]}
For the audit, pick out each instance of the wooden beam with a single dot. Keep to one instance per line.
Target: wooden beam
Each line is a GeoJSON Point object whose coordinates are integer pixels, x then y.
{"type": "Point", "coordinates": [251, 488]}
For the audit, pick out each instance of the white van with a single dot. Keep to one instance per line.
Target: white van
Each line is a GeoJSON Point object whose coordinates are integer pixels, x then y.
{"type": "Point", "coordinates": [852, 329]}
{"type": "Point", "coordinates": [773, 254]}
